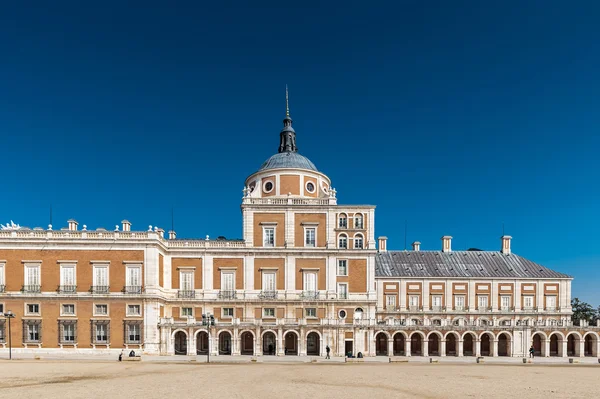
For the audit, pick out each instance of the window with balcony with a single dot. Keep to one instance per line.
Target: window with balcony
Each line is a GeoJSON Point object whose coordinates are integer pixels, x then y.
{"type": "Point", "coordinates": [343, 221]}
{"type": "Point", "coordinates": [310, 237]}
{"type": "Point", "coordinates": [2, 278]}
{"type": "Point", "coordinates": [505, 302]}
{"type": "Point", "coordinates": [133, 332]}
{"type": "Point", "coordinates": [32, 309]}
{"type": "Point", "coordinates": [100, 280]}
{"type": "Point", "coordinates": [67, 332]}
{"type": "Point", "coordinates": [134, 310]}
{"type": "Point", "coordinates": [186, 287]}
{"type": "Point", "coordinates": [187, 312]}
{"type": "Point", "coordinates": [268, 282]}
{"type": "Point", "coordinates": [227, 285]}
{"type": "Point", "coordinates": [32, 331]}
{"type": "Point", "coordinates": [551, 302]}
{"type": "Point", "coordinates": [100, 331]}
{"type": "Point", "coordinates": [310, 312]}
{"type": "Point", "coordinates": [100, 310]}
{"type": "Point", "coordinates": [68, 283]}
{"type": "Point", "coordinates": [358, 241]}
{"type": "Point", "coordinates": [528, 302]}
{"type": "Point", "coordinates": [32, 279]}
{"type": "Point", "coordinates": [482, 302]}
{"type": "Point", "coordinates": [68, 309]}
{"type": "Point", "coordinates": [133, 280]}
{"type": "Point", "coordinates": [227, 312]}
{"type": "Point", "coordinates": [390, 302]}
{"type": "Point", "coordinates": [436, 303]}
{"type": "Point", "coordinates": [413, 302]}
{"type": "Point", "coordinates": [310, 284]}
{"type": "Point", "coordinates": [343, 241]}
{"type": "Point", "coordinates": [268, 312]}
{"type": "Point", "coordinates": [269, 236]}
{"type": "Point", "coordinates": [358, 221]}
{"type": "Point", "coordinates": [342, 267]}
{"type": "Point", "coordinates": [459, 302]}
{"type": "Point", "coordinates": [342, 289]}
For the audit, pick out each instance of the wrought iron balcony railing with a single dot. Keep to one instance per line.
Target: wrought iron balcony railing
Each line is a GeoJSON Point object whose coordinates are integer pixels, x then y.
{"type": "Point", "coordinates": [460, 308]}
{"type": "Point", "coordinates": [437, 308]}
{"type": "Point", "coordinates": [186, 294]}
{"type": "Point", "coordinates": [32, 288]}
{"type": "Point", "coordinates": [227, 294]}
{"type": "Point", "coordinates": [100, 289]}
{"type": "Point", "coordinates": [414, 308]}
{"type": "Point", "coordinates": [309, 295]}
{"type": "Point", "coordinates": [133, 289]}
{"type": "Point", "coordinates": [67, 289]}
{"type": "Point", "coordinates": [268, 294]}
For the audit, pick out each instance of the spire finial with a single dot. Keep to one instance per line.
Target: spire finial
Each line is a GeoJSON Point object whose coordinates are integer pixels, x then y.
{"type": "Point", "coordinates": [287, 103]}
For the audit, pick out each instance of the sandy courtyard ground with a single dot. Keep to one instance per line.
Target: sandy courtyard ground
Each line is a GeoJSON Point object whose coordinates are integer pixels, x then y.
{"type": "Point", "coordinates": [76, 379]}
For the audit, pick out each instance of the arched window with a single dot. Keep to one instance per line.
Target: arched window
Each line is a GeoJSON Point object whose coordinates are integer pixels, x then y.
{"type": "Point", "coordinates": [358, 241]}
{"type": "Point", "coordinates": [343, 241]}
{"type": "Point", "coordinates": [343, 221]}
{"type": "Point", "coordinates": [358, 221]}
{"type": "Point", "coordinates": [436, 322]}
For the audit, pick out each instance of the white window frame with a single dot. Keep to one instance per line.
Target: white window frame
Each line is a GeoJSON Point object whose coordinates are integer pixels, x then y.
{"type": "Point", "coordinates": [62, 309]}
{"type": "Point", "coordinates": [550, 307]}
{"type": "Point", "coordinates": [357, 237]}
{"type": "Point", "coordinates": [132, 305]}
{"type": "Point", "coordinates": [182, 280]}
{"type": "Point", "coordinates": [266, 311]}
{"type": "Point", "coordinates": [308, 311]}
{"type": "Point", "coordinates": [30, 328]}
{"type": "Point", "coordinates": [106, 329]}
{"type": "Point", "coordinates": [314, 184]}
{"type": "Point", "coordinates": [225, 273]}
{"type": "Point", "coordinates": [2, 273]}
{"type": "Point", "coordinates": [128, 332]}
{"type": "Point", "coordinates": [410, 300]}
{"type": "Point", "coordinates": [62, 333]}
{"type": "Point", "coordinates": [38, 278]}
{"type": "Point", "coordinates": [306, 241]}
{"type": "Point", "coordinates": [306, 282]}
{"type": "Point", "coordinates": [340, 217]}
{"type": "Point", "coordinates": [485, 305]}
{"type": "Point", "coordinates": [459, 302]}
{"type": "Point", "coordinates": [502, 306]}
{"type": "Point", "coordinates": [264, 186]}
{"type": "Point", "coordinates": [95, 313]}
{"type": "Point", "coordinates": [28, 313]}
{"type": "Point", "coordinates": [128, 279]}
{"type": "Point", "coordinates": [269, 286]}
{"type": "Point", "coordinates": [224, 314]}
{"type": "Point", "coordinates": [100, 266]}
{"type": "Point", "coordinates": [342, 293]}
{"type": "Point", "coordinates": [191, 308]}
{"type": "Point", "coordinates": [527, 298]}
{"type": "Point", "coordinates": [434, 299]}
{"type": "Point", "coordinates": [265, 236]}
{"type": "Point", "coordinates": [345, 267]}
{"type": "Point", "coordinates": [345, 237]}
{"type": "Point", "coordinates": [65, 266]}
{"type": "Point", "coordinates": [359, 216]}
{"type": "Point", "coordinates": [390, 301]}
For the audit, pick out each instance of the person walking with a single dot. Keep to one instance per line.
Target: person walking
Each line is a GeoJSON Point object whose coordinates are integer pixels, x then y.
{"type": "Point", "coordinates": [327, 349]}
{"type": "Point", "coordinates": [531, 352]}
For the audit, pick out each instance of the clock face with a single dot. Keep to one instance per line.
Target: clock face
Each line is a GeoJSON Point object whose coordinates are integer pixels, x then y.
{"type": "Point", "coordinates": [310, 187]}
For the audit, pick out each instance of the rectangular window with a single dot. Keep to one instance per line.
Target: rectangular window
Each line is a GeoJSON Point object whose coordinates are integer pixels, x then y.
{"type": "Point", "coordinates": [32, 278]}
{"type": "Point", "coordinates": [32, 331]}
{"type": "Point", "coordinates": [68, 309]}
{"type": "Point", "coordinates": [268, 281]}
{"type": "Point", "coordinates": [310, 234]}
{"type": "Point", "coordinates": [1, 308]}
{"type": "Point", "coordinates": [413, 302]}
{"type": "Point", "coordinates": [2, 331]}
{"type": "Point", "coordinates": [68, 332]}
{"type": "Point", "coordinates": [551, 302]}
{"type": "Point", "coordinates": [134, 310]}
{"type": "Point", "coordinates": [310, 312]}
{"type": "Point", "coordinates": [187, 312]}
{"type": "Point", "coordinates": [101, 310]}
{"type": "Point", "coordinates": [133, 333]}
{"type": "Point", "coordinates": [227, 312]}
{"type": "Point", "coordinates": [459, 302]}
{"type": "Point", "coordinates": [269, 236]}
{"type": "Point", "coordinates": [101, 332]}
{"type": "Point", "coordinates": [358, 242]}
{"type": "Point", "coordinates": [227, 281]}
{"type": "Point", "coordinates": [482, 302]}
{"type": "Point", "coordinates": [2, 280]}
{"type": "Point", "coordinates": [343, 242]}
{"type": "Point", "coordinates": [342, 290]}
{"type": "Point", "coordinates": [358, 221]}
{"type": "Point", "coordinates": [100, 279]}
{"type": "Point", "coordinates": [528, 302]}
{"type": "Point", "coordinates": [133, 278]}
{"type": "Point", "coordinates": [310, 281]}
{"type": "Point", "coordinates": [390, 302]}
{"type": "Point", "coordinates": [33, 309]}
{"type": "Point", "coordinates": [187, 280]}
{"type": "Point", "coordinates": [67, 278]}
{"type": "Point", "coordinates": [342, 267]}
{"type": "Point", "coordinates": [343, 222]}
{"type": "Point", "coordinates": [436, 302]}
{"type": "Point", "coordinates": [269, 312]}
{"type": "Point", "coordinates": [505, 302]}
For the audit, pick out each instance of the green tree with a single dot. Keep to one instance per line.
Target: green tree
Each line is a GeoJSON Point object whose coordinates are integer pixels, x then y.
{"type": "Point", "coordinates": [582, 311]}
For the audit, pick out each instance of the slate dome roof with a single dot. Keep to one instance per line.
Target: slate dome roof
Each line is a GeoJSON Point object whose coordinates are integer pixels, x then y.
{"type": "Point", "coordinates": [288, 160]}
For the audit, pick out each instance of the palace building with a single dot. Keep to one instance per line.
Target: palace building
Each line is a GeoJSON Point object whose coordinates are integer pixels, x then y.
{"type": "Point", "coordinates": [307, 273]}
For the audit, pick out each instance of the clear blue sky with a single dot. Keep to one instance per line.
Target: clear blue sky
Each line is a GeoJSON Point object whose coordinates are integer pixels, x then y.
{"type": "Point", "coordinates": [456, 116]}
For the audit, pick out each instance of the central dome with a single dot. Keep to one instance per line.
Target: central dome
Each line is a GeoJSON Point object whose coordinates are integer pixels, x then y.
{"type": "Point", "coordinates": [291, 160]}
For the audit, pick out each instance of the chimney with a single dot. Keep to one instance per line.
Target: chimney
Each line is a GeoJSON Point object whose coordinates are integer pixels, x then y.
{"type": "Point", "coordinates": [416, 246]}
{"type": "Point", "coordinates": [126, 225]}
{"type": "Point", "coordinates": [161, 232]}
{"type": "Point", "coordinates": [506, 244]}
{"type": "Point", "coordinates": [447, 244]}
{"type": "Point", "coordinates": [172, 235]}
{"type": "Point", "coordinates": [72, 224]}
{"type": "Point", "coordinates": [382, 244]}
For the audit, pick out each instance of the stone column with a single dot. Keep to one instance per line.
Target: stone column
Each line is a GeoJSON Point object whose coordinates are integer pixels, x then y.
{"type": "Point", "coordinates": [425, 347]}
{"type": "Point", "coordinates": [407, 345]}
{"type": "Point", "coordinates": [564, 348]}
{"type": "Point", "coordinates": [257, 342]}
{"type": "Point", "coordinates": [547, 348]}
{"type": "Point", "coordinates": [371, 343]}
{"type": "Point", "coordinates": [191, 342]}
{"type": "Point", "coordinates": [443, 347]}
{"type": "Point", "coordinates": [477, 344]}
{"type": "Point", "coordinates": [280, 346]}
{"type": "Point", "coordinates": [495, 348]}
{"type": "Point", "coordinates": [582, 347]}
{"type": "Point", "coordinates": [390, 347]}
{"type": "Point", "coordinates": [460, 348]}
{"type": "Point", "coordinates": [213, 342]}
{"type": "Point", "coordinates": [236, 346]}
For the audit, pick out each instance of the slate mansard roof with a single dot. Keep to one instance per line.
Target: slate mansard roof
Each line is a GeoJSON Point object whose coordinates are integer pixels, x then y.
{"type": "Point", "coordinates": [461, 264]}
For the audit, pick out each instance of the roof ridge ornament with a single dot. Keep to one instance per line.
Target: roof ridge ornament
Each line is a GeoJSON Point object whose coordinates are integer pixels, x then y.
{"type": "Point", "coordinates": [287, 136]}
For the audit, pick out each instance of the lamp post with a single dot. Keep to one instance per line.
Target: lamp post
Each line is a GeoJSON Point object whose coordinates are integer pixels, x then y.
{"type": "Point", "coordinates": [9, 315]}
{"type": "Point", "coordinates": [208, 320]}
